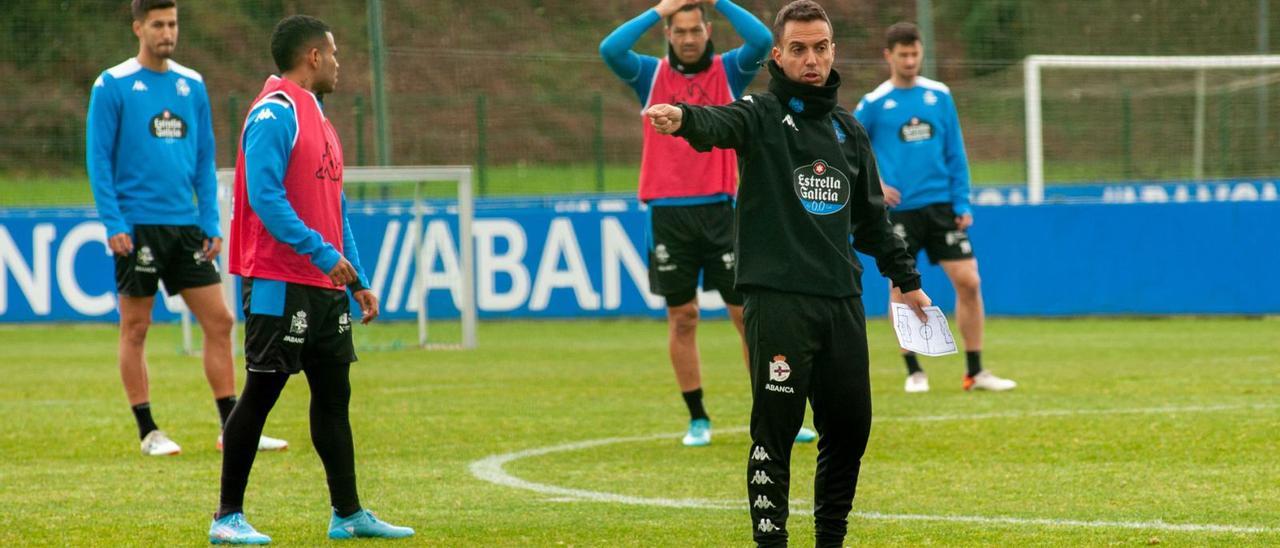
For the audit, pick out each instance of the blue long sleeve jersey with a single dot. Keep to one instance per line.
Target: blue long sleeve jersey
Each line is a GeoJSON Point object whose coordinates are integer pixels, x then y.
{"type": "Point", "coordinates": [268, 142]}
{"type": "Point", "coordinates": [150, 149]}
{"type": "Point", "coordinates": [915, 133]}
{"type": "Point", "coordinates": [637, 70]}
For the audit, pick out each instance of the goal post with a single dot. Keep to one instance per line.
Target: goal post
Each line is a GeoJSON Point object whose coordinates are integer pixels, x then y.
{"type": "Point", "coordinates": [459, 176]}
{"type": "Point", "coordinates": [1199, 66]}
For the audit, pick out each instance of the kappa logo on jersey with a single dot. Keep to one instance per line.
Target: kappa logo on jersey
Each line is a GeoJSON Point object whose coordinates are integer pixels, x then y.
{"type": "Point", "coordinates": [692, 94]}
{"type": "Point", "coordinates": [900, 230]}
{"type": "Point", "coordinates": [329, 167]}
{"type": "Point", "coordinates": [762, 502]}
{"type": "Point", "coordinates": [796, 105]}
{"type": "Point", "coordinates": [761, 478]}
{"type": "Point", "coordinates": [916, 130]}
{"type": "Point", "coordinates": [766, 526]}
{"type": "Point", "coordinates": [822, 189]}
{"type": "Point", "coordinates": [890, 104]}
{"type": "Point", "coordinates": [139, 86]}
{"type": "Point", "coordinates": [264, 114]}
{"type": "Point", "coordinates": [344, 323]}
{"type": "Point", "coordinates": [788, 121]}
{"type": "Point", "coordinates": [779, 370]}
{"type": "Point", "coordinates": [168, 125]}
{"type": "Point", "coordinates": [183, 88]}
{"type": "Point", "coordinates": [760, 454]}
{"type": "Point", "coordinates": [930, 98]}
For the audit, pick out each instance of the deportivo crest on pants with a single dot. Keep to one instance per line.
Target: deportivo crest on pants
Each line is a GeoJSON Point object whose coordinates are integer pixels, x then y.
{"type": "Point", "coordinates": [298, 325]}
{"type": "Point", "coordinates": [779, 370]}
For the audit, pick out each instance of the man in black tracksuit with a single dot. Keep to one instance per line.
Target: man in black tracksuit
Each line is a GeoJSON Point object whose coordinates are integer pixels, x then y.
{"type": "Point", "coordinates": [809, 184]}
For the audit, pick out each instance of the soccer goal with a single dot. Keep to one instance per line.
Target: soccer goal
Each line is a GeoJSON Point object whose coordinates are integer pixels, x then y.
{"type": "Point", "coordinates": [393, 184]}
{"type": "Point", "coordinates": [1149, 118]}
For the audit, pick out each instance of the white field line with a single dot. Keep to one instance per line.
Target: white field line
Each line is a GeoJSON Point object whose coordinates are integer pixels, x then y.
{"type": "Point", "coordinates": [492, 469]}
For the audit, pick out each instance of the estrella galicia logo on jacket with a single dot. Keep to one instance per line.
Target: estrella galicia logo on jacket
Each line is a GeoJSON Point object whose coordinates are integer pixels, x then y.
{"type": "Point", "coordinates": [822, 189]}
{"type": "Point", "coordinates": [168, 125]}
{"type": "Point", "coordinates": [915, 130]}
{"type": "Point", "coordinates": [779, 371]}
{"type": "Point", "coordinates": [329, 168]}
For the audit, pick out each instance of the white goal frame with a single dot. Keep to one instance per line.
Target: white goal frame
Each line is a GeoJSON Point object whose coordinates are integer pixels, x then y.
{"type": "Point", "coordinates": [418, 175]}
{"type": "Point", "coordinates": [1033, 65]}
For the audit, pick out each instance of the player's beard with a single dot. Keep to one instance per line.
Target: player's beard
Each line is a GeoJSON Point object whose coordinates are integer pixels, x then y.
{"type": "Point", "coordinates": [161, 51]}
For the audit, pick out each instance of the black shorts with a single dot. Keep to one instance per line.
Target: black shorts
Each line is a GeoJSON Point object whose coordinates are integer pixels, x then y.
{"type": "Point", "coordinates": [932, 228]}
{"type": "Point", "coordinates": [691, 242]}
{"type": "Point", "coordinates": [289, 327]}
{"type": "Point", "coordinates": [170, 253]}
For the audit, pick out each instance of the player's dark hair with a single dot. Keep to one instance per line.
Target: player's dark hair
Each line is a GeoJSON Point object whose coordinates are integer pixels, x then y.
{"type": "Point", "coordinates": [689, 7]}
{"type": "Point", "coordinates": [292, 37]}
{"type": "Point", "coordinates": [903, 33]}
{"type": "Point", "coordinates": [800, 11]}
{"type": "Point", "coordinates": [141, 8]}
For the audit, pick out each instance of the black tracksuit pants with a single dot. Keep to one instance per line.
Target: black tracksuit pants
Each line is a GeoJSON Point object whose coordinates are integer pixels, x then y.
{"type": "Point", "coordinates": [804, 346]}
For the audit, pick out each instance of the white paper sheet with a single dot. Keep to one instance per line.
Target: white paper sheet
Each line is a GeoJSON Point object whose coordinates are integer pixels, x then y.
{"type": "Point", "coordinates": [929, 339]}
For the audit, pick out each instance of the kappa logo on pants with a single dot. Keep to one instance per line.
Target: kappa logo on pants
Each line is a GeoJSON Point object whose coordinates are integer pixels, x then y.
{"type": "Point", "coordinates": [761, 478]}
{"type": "Point", "coordinates": [760, 454]}
{"type": "Point", "coordinates": [766, 526]}
{"type": "Point", "coordinates": [762, 502]}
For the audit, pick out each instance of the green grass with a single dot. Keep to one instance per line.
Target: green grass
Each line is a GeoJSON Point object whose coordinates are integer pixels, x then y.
{"type": "Point", "coordinates": [17, 190]}
{"type": "Point", "coordinates": [71, 474]}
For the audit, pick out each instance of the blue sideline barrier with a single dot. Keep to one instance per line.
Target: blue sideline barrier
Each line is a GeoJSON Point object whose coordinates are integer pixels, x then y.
{"type": "Point", "coordinates": [585, 257]}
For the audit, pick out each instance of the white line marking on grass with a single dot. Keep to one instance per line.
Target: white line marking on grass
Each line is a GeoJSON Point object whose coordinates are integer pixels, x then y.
{"type": "Point", "coordinates": [492, 469]}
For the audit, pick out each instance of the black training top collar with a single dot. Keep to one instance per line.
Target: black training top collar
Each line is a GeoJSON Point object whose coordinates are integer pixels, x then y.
{"type": "Point", "coordinates": [803, 99]}
{"type": "Point", "coordinates": [703, 63]}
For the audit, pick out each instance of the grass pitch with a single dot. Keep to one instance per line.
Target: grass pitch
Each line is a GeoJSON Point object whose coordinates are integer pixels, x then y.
{"type": "Point", "coordinates": [1117, 426]}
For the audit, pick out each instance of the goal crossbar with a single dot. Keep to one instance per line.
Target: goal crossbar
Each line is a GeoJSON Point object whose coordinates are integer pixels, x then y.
{"type": "Point", "coordinates": [418, 175]}
{"type": "Point", "coordinates": [1034, 64]}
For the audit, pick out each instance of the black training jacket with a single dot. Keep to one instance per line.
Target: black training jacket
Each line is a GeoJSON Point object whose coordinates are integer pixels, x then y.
{"type": "Point", "coordinates": [808, 186]}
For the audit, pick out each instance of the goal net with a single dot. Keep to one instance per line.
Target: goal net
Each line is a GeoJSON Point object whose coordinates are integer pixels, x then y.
{"type": "Point", "coordinates": [405, 200]}
{"type": "Point", "coordinates": [1122, 118]}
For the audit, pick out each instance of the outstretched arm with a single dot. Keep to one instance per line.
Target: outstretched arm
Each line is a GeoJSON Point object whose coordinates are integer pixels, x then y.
{"type": "Point", "coordinates": [706, 127]}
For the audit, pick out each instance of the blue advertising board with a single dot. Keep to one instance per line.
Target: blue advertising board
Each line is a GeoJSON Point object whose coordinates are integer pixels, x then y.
{"type": "Point", "coordinates": [569, 257]}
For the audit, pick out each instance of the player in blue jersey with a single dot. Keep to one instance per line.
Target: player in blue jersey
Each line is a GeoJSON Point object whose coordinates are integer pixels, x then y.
{"type": "Point", "coordinates": [690, 194]}
{"type": "Point", "coordinates": [915, 133]}
{"type": "Point", "coordinates": [150, 156]}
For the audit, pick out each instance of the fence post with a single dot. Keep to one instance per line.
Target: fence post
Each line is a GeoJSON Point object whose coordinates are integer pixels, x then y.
{"type": "Point", "coordinates": [482, 143]}
{"type": "Point", "coordinates": [233, 125]}
{"type": "Point", "coordinates": [359, 108]}
{"type": "Point", "coordinates": [1126, 132]}
{"type": "Point", "coordinates": [359, 115]}
{"type": "Point", "coordinates": [597, 143]}
{"type": "Point", "coordinates": [377, 58]}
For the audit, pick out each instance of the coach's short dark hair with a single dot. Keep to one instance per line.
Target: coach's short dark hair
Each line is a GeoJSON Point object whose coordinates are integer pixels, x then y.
{"type": "Point", "coordinates": [292, 36]}
{"type": "Point", "coordinates": [800, 11]}
{"type": "Point", "coordinates": [689, 7]}
{"type": "Point", "coordinates": [903, 33]}
{"type": "Point", "coordinates": [141, 8]}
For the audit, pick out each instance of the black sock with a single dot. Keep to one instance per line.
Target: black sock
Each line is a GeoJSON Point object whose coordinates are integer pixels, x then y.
{"type": "Point", "coordinates": [142, 413]}
{"type": "Point", "coordinates": [225, 405]}
{"type": "Point", "coordinates": [973, 360]}
{"type": "Point", "coordinates": [693, 399]}
{"type": "Point", "coordinates": [913, 363]}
